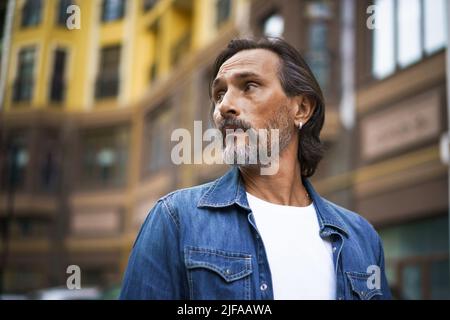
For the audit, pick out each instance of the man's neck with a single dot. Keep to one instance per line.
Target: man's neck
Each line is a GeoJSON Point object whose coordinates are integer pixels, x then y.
{"type": "Point", "coordinates": [284, 188]}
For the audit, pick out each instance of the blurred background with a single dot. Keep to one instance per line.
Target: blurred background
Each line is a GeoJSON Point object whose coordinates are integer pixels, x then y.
{"type": "Point", "coordinates": [89, 98]}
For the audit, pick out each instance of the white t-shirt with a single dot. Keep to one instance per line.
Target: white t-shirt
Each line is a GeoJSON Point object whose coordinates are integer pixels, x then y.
{"type": "Point", "coordinates": [301, 262]}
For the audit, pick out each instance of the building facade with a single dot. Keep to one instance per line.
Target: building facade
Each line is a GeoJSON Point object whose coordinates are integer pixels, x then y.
{"type": "Point", "coordinates": [88, 113]}
{"type": "Point", "coordinates": [382, 67]}
{"type": "Point", "coordinates": [86, 121]}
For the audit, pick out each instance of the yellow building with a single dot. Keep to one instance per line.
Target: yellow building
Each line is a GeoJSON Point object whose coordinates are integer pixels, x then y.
{"type": "Point", "coordinates": [92, 91]}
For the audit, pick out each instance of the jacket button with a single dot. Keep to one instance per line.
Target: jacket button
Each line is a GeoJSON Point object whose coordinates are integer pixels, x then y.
{"type": "Point", "coordinates": [263, 287]}
{"type": "Point", "coordinates": [227, 271]}
{"type": "Point", "coordinates": [334, 249]}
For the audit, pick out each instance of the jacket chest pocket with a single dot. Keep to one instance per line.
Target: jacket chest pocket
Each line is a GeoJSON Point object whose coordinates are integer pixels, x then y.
{"type": "Point", "coordinates": [218, 274]}
{"type": "Point", "coordinates": [362, 285]}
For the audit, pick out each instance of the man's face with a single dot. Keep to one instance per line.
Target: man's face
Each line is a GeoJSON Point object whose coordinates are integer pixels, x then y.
{"type": "Point", "coordinates": [247, 93]}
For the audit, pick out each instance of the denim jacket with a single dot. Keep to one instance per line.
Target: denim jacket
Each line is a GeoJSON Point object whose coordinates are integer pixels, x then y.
{"type": "Point", "coordinates": [203, 243]}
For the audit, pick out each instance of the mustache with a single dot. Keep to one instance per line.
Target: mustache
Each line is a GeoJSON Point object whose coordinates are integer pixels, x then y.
{"type": "Point", "coordinates": [233, 123]}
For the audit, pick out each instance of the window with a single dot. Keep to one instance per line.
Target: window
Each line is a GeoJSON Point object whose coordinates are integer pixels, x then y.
{"type": "Point", "coordinates": [149, 4]}
{"type": "Point", "coordinates": [49, 161]}
{"type": "Point", "coordinates": [48, 173]}
{"type": "Point", "coordinates": [181, 48]}
{"type": "Point", "coordinates": [57, 88]}
{"type": "Point", "coordinates": [223, 9]}
{"type": "Point", "coordinates": [206, 107]}
{"type": "Point", "coordinates": [153, 72]}
{"type": "Point", "coordinates": [31, 13]}
{"type": "Point", "coordinates": [27, 227]}
{"type": "Point", "coordinates": [406, 31]}
{"type": "Point", "coordinates": [384, 53]}
{"type": "Point", "coordinates": [435, 25]}
{"type": "Point", "coordinates": [3, 15]}
{"type": "Point", "coordinates": [417, 260]}
{"type": "Point", "coordinates": [108, 77]}
{"type": "Point", "coordinates": [105, 158]}
{"type": "Point", "coordinates": [62, 15]}
{"type": "Point", "coordinates": [273, 26]}
{"type": "Point", "coordinates": [16, 162]}
{"type": "Point", "coordinates": [157, 133]}
{"type": "Point", "coordinates": [155, 49]}
{"type": "Point", "coordinates": [23, 85]}
{"type": "Point", "coordinates": [318, 54]}
{"type": "Point", "coordinates": [113, 10]}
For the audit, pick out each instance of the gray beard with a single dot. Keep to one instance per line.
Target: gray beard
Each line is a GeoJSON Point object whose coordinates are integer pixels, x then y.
{"type": "Point", "coordinates": [242, 155]}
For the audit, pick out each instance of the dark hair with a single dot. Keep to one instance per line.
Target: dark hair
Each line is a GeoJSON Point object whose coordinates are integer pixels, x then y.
{"type": "Point", "coordinates": [296, 78]}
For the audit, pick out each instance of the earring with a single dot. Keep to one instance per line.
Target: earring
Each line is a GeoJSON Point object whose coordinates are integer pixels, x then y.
{"type": "Point", "coordinates": [300, 125]}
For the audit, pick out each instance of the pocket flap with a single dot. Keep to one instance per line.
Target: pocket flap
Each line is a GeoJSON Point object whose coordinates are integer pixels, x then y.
{"type": "Point", "coordinates": [230, 265]}
{"type": "Point", "coordinates": [359, 283]}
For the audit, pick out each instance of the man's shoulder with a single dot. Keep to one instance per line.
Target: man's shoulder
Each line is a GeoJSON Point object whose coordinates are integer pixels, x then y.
{"type": "Point", "coordinates": [187, 197]}
{"type": "Point", "coordinates": [353, 221]}
{"type": "Point", "coordinates": [180, 205]}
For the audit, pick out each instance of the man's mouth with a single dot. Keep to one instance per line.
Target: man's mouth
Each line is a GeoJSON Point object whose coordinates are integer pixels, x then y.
{"type": "Point", "coordinates": [231, 127]}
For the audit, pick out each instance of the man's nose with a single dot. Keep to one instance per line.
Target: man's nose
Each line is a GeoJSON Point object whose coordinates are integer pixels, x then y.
{"type": "Point", "coordinates": [228, 106]}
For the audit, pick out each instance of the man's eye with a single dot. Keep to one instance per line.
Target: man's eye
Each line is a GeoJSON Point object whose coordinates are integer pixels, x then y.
{"type": "Point", "coordinates": [250, 85]}
{"type": "Point", "coordinates": [219, 96]}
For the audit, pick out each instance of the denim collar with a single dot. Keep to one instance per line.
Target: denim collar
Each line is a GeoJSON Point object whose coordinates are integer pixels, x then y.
{"type": "Point", "coordinates": [229, 190]}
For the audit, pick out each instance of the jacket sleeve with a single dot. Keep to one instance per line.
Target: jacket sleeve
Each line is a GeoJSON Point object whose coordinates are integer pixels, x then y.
{"type": "Point", "coordinates": [385, 289]}
{"type": "Point", "coordinates": [155, 269]}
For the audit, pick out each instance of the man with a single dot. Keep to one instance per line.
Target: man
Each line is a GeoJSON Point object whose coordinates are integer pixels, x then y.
{"type": "Point", "coordinates": [254, 236]}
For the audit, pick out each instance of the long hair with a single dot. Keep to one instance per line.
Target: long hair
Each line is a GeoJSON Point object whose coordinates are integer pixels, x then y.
{"type": "Point", "coordinates": [296, 79]}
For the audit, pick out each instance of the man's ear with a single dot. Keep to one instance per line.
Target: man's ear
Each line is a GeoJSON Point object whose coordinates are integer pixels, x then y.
{"type": "Point", "coordinates": [305, 107]}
